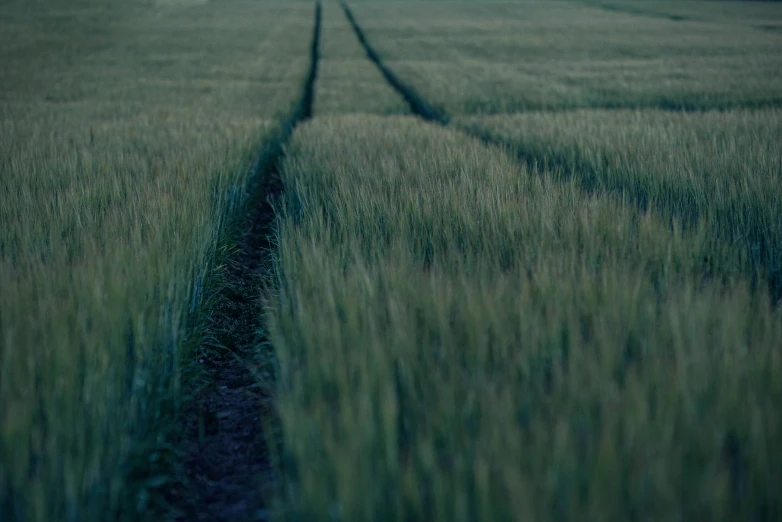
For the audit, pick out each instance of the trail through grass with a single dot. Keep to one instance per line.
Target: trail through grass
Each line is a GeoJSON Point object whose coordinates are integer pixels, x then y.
{"type": "Point", "coordinates": [348, 82]}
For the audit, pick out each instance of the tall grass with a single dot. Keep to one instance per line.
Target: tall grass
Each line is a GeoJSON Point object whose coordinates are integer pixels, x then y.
{"type": "Point", "coordinates": [719, 170]}
{"type": "Point", "coordinates": [470, 57]}
{"type": "Point", "coordinates": [762, 15]}
{"type": "Point", "coordinates": [347, 81]}
{"type": "Point", "coordinates": [462, 339]}
{"type": "Point", "coordinates": [124, 154]}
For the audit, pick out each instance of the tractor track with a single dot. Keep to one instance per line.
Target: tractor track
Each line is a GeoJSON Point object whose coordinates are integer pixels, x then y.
{"type": "Point", "coordinates": [418, 105]}
{"type": "Point", "coordinates": [614, 8]}
{"type": "Point", "coordinates": [225, 428]}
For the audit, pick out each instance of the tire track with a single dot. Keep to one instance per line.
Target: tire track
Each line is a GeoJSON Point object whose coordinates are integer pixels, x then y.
{"type": "Point", "coordinates": [225, 466]}
{"type": "Point", "coordinates": [758, 252]}
{"type": "Point", "coordinates": [635, 11]}
{"type": "Point", "coordinates": [418, 105]}
{"type": "Point", "coordinates": [623, 9]}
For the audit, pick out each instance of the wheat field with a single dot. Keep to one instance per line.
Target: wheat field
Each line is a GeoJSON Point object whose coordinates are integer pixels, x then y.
{"type": "Point", "coordinates": [122, 161]}
{"type": "Point", "coordinates": [484, 260]}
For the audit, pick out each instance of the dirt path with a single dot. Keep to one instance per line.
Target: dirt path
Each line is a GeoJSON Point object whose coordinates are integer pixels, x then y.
{"type": "Point", "coordinates": [226, 459]}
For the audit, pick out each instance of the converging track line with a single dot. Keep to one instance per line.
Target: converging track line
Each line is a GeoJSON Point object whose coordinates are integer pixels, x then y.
{"type": "Point", "coordinates": [418, 105]}
{"type": "Point", "coordinates": [225, 427]}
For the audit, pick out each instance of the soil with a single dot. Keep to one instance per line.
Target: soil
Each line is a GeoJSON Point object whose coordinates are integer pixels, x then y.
{"type": "Point", "coordinates": [226, 425]}
{"type": "Point", "coordinates": [226, 456]}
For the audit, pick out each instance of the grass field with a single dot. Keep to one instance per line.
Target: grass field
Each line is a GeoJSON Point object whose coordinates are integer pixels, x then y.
{"type": "Point", "coordinates": [559, 303]}
{"type": "Point", "coordinates": [757, 14]}
{"type": "Point", "coordinates": [718, 170]}
{"type": "Point", "coordinates": [461, 338]}
{"type": "Point", "coordinates": [480, 58]}
{"type": "Point", "coordinates": [124, 153]}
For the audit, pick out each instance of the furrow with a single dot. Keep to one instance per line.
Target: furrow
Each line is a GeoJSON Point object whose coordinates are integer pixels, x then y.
{"type": "Point", "coordinates": [225, 460]}
{"type": "Point", "coordinates": [418, 105]}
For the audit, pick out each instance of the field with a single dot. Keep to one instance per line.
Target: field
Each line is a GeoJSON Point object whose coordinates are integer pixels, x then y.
{"type": "Point", "coordinates": [413, 261]}
{"type": "Point", "coordinates": [538, 55]}
{"type": "Point", "coordinates": [123, 157]}
{"type": "Point", "coordinates": [347, 81]}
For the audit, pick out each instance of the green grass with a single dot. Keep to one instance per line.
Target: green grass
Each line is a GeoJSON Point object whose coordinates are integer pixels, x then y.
{"type": "Point", "coordinates": [580, 324]}
{"type": "Point", "coordinates": [479, 58]}
{"type": "Point", "coordinates": [127, 133]}
{"type": "Point", "coordinates": [719, 170]}
{"type": "Point", "coordinates": [763, 15]}
{"type": "Point", "coordinates": [347, 81]}
{"type": "Point", "coordinates": [461, 338]}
